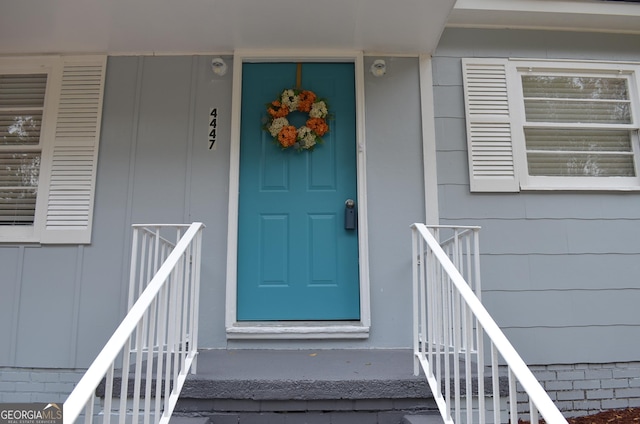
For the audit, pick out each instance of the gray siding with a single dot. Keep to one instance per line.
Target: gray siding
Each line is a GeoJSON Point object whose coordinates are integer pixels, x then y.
{"type": "Point", "coordinates": [559, 270]}
{"type": "Point", "coordinates": [39, 304]}
{"type": "Point", "coordinates": [395, 194]}
{"type": "Point", "coordinates": [60, 304]}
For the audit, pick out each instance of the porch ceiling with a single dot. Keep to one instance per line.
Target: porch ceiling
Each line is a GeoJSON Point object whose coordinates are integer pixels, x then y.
{"type": "Point", "coordinates": [220, 26]}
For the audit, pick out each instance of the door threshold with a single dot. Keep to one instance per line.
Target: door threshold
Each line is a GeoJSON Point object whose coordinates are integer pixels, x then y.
{"type": "Point", "coordinates": [298, 330]}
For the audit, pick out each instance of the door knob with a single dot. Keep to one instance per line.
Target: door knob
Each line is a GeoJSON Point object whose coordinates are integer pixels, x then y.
{"type": "Point", "coordinates": [349, 215]}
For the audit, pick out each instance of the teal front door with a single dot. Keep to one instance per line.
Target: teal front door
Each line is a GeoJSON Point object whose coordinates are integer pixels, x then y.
{"type": "Point", "coordinates": [296, 259]}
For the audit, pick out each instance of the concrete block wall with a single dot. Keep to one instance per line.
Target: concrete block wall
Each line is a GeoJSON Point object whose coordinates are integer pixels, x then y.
{"type": "Point", "coordinates": [37, 384]}
{"type": "Point", "coordinates": [583, 389]}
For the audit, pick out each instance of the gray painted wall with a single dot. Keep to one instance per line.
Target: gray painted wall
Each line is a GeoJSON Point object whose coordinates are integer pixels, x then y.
{"type": "Point", "coordinates": [60, 304]}
{"type": "Point", "coordinates": [560, 271]}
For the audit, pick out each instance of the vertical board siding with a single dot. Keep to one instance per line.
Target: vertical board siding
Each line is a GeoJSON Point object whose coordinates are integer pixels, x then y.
{"type": "Point", "coordinates": [10, 259]}
{"type": "Point", "coordinates": [60, 304]}
{"type": "Point", "coordinates": [161, 140]}
{"type": "Point", "coordinates": [209, 193]}
{"type": "Point", "coordinates": [559, 268]}
{"type": "Point", "coordinates": [46, 315]}
{"type": "Point", "coordinates": [395, 192]}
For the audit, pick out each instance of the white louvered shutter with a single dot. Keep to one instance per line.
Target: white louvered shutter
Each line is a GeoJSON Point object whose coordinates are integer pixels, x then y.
{"type": "Point", "coordinates": [74, 154]}
{"type": "Point", "coordinates": [489, 133]}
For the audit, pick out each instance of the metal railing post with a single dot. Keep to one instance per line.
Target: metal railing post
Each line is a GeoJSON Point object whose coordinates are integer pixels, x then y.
{"type": "Point", "coordinates": [160, 330]}
{"type": "Point", "coordinates": [457, 324]}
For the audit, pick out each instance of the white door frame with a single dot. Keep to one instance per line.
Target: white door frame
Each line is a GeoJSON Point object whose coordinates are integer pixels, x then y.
{"type": "Point", "coordinates": [302, 329]}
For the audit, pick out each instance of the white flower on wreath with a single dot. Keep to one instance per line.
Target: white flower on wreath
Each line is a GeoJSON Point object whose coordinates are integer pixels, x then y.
{"type": "Point", "coordinates": [319, 110]}
{"type": "Point", "coordinates": [306, 137]}
{"type": "Point", "coordinates": [276, 125]}
{"type": "Point", "coordinates": [290, 99]}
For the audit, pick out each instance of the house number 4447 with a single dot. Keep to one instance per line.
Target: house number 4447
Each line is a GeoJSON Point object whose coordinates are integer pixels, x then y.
{"type": "Point", "coordinates": [213, 127]}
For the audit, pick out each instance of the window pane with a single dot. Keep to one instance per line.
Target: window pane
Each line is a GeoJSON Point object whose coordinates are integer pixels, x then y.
{"type": "Point", "coordinates": [567, 87]}
{"type": "Point", "coordinates": [20, 129]}
{"type": "Point", "coordinates": [17, 207]}
{"type": "Point", "coordinates": [580, 165]}
{"type": "Point", "coordinates": [578, 140]}
{"type": "Point", "coordinates": [22, 90]}
{"type": "Point", "coordinates": [577, 111]}
{"type": "Point", "coordinates": [597, 100]}
{"type": "Point", "coordinates": [21, 109]}
{"type": "Point", "coordinates": [19, 173]}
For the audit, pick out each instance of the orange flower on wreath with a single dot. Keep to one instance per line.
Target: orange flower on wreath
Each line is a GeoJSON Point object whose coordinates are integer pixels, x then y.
{"type": "Point", "coordinates": [277, 109]}
{"type": "Point", "coordinates": [318, 126]}
{"type": "Point", "coordinates": [287, 136]}
{"type": "Point", "coordinates": [305, 100]}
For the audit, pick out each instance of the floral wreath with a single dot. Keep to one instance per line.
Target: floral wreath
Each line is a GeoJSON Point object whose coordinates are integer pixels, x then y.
{"type": "Point", "coordinates": [287, 135]}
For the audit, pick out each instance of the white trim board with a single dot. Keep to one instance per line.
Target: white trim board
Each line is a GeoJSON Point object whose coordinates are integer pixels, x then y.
{"type": "Point", "coordinates": [429, 148]}
{"type": "Point", "coordinates": [296, 330]}
{"type": "Point", "coordinates": [559, 15]}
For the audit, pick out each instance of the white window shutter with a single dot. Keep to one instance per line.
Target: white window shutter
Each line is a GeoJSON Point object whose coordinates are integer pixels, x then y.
{"type": "Point", "coordinates": [73, 157]}
{"type": "Point", "coordinates": [489, 136]}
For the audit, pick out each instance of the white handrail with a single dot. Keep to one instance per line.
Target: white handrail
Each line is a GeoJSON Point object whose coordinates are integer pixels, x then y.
{"type": "Point", "coordinates": [181, 267]}
{"type": "Point", "coordinates": [460, 322]}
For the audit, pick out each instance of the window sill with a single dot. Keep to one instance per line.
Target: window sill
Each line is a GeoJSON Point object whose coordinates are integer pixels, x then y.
{"type": "Point", "coordinates": [298, 330]}
{"type": "Point", "coordinates": [578, 183]}
{"type": "Point", "coordinates": [18, 235]}
{"type": "Point", "coordinates": [579, 188]}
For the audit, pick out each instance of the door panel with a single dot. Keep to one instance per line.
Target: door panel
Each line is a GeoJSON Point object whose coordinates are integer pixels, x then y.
{"type": "Point", "coordinates": [295, 259]}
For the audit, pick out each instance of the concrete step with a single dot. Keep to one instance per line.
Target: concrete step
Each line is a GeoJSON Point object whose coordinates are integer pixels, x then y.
{"type": "Point", "coordinates": [312, 418]}
{"type": "Point", "coordinates": [305, 375]}
{"type": "Point", "coordinates": [305, 418]}
{"type": "Point", "coordinates": [304, 386]}
{"type": "Point", "coordinates": [433, 418]}
{"type": "Point", "coordinates": [189, 420]}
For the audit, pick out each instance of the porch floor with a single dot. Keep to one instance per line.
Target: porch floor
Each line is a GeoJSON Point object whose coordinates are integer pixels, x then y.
{"type": "Point", "coordinates": [314, 374]}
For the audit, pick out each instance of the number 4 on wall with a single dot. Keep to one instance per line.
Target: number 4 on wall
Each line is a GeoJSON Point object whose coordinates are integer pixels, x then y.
{"type": "Point", "coordinates": [213, 127]}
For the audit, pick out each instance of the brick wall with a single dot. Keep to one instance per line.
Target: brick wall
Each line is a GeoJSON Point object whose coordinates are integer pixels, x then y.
{"type": "Point", "coordinates": [37, 385]}
{"type": "Point", "coordinates": [583, 389]}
